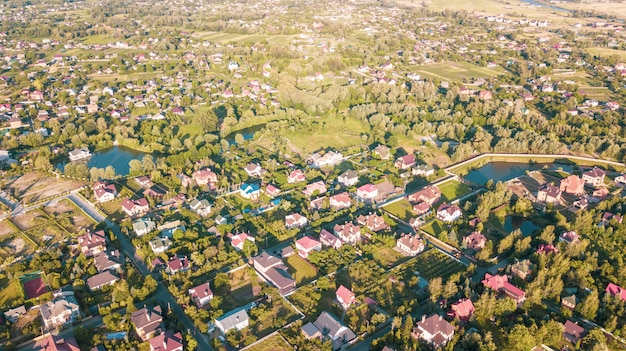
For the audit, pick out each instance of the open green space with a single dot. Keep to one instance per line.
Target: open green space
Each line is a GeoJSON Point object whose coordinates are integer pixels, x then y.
{"type": "Point", "coordinates": [387, 257]}
{"type": "Point", "coordinates": [434, 227]}
{"type": "Point", "coordinates": [10, 293]}
{"type": "Point", "coordinates": [458, 71]}
{"type": "Point", "coordinates": [401, 209]}
{"type": "Point", "coordinates": [301, 270]}
{"type": "Point", "coordinates": [434, 263]}
{"type": "Point", "coordinates": [606, 52]}
{"type": "Point", "coordinates": [453, 190]}
{"type": "Point", "coordinates": [273, 343]}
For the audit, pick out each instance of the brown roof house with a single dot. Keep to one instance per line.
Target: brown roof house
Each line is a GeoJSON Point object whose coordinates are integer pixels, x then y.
{"type": "Point", "coordinates": [410, 244]}
{"type": "Point", "coordinates": [274, 271]}
{"type": "Point", "coordinates": [101, 280]}
{"type": "Point", "coordinates": [63, 309]}
{"type": "Point", "coordinates": [434, 330]}
{"type": "Point", "coordinates": [573, 332]}
{"type": "Point", "coordinates": [549, 194]}
{"type": "Point", "coordinates": [147, 322]}
{"type": "Point", "coordinates": [92, 243]}
{"type": "Point", "coordinates": [475, 241]}
{"type": "Point", "coordinates": [594, 177]}
{"type": "Point", "coordinates": [572, 185]}
{"type": "Point", "coordinates": [522, 269]}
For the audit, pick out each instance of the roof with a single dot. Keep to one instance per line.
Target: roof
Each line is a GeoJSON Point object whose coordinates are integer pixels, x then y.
{"type": "Point", "coordinates": [330, 326]}
{"type": "Point", "coordinates": [368, 188]}
{"type": "Point", "coordinates": [349, 174]}
{"type": "Point", "coordinates": [280, 278]}
{"type": "Point", "coordinates": [574, 330]}
{"type": "Point", "coordinates": [232, 318]}
{"type": "Point", "coordinates": [307, 242]}
{"type": "Point", "coordinates": [595, 173]}
{"type": "Point", "coordinates": [413, 242]}
{"type": "Point", "coordinates": [463, 308]}
{"type": "Point", "coordinates": [55, 343]}
{"type": "Point", "coordinates": [266, 260]}
{"type": "Point", "coordinates": [101, 279]}
{"type": "Point", "coordinates": [201, 291]}
{"type": "Point", "coordinates": [310, 330]}
{"type": "Point", "coordinates": [166, 342]}
{"type": "Point", "coordinates": [345, 294]}
{"type": "Point", "coordinates": [616, 290]}
{"type": "Point", "coordinates": [146, 317]}
{"type": "Point", "coordinates": [435, 324]}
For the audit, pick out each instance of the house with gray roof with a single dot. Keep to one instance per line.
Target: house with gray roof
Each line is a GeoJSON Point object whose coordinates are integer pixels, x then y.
{"type": "Point", "coordinates": [328, 327]}
{"type": "Point", "coordinates": [235, 319]}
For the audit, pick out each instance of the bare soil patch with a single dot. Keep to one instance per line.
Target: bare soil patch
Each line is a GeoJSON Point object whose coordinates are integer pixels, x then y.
{"type": "Point", "coordinates": [14, 247]}
{"type": "Point", "coordinates": [5, 228]}
{"type": "Point", "coordinates": [34, 186]}
{"type": "Point", "coordinates": [29, 219]}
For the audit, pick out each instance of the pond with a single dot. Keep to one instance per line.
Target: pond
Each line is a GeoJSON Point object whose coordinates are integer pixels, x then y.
{"type": "Point", "coordinates": [526, 226]}
{"type": "Point", "coordinates": [539, 4]}
{"type": "Point", "coordinates": [503, 171]}
{"type": "Point", "coordinates": [116, 156]}
{"type": "Point", "coordinates": [247, 133]}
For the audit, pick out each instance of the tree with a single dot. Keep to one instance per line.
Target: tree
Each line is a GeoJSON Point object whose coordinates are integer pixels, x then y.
{"type": "Point", "coordinates": [594, 341]}
{"type": "Point", "coordinates": [589, 306]}
{"type": "Point", "coordinates": [249, 248]}
{"type": "Point", "coordinates": [435, 288]}
{"type": "Point", "coordinates": [520, 338]}
{"type": "Point", "coordinates": [42, 163]}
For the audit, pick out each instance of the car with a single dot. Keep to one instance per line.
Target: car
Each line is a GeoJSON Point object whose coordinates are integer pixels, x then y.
{"type": "Point", "coordinates": [221, 338]}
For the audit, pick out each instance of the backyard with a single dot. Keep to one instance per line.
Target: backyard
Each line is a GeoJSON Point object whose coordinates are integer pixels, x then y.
{"type": "Point", "coordinates": [452, 190]}
{"type": "Point", "coordinates": [401, 209]}
{"type": "Point", "coordinates": [301, 270]}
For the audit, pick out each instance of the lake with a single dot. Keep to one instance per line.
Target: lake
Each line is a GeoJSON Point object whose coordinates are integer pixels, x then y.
{"type": "Point", "coordinates": [116, 156]}
{"type": "Point", "coordinates": [247, 133]}
{"type": "Point", "coordinates": [526, 226]}
{"type": "Point", "coordinates": [503, 171]}
{"type": "Point", "coordinates": [539, 4]}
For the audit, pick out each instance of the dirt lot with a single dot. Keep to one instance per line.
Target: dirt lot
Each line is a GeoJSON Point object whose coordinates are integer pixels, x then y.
{"type": "Point", "coordinates": [35, 186]}
{"type": "Point", "coordinates": [76, 222]}
{"type": "Point", "coordinates": [50, 234]}
{"type": "Point", "coordinates": [29, 219]}
{"type": "Point", "coordinates": [15, 247]}
{"type": "Point", "coordinates": [59, 207]}
{"type": "Point", "coordinates": [5, 228]}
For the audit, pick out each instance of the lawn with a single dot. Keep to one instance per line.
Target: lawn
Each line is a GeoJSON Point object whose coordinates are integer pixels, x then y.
{"type": "Point", "coordinates": [453, 190]}
{"type": "Point", "coordinates": [301, 270]}
{"type": "Point", "coordinates": [458, 71]}
{"type": "Point", "coordinates": [10, 293]}
{"type": "Point", "coordinates": [433, 228]}
{"type": "Point", "coordinates": [401, 209]}
{"type": "Point", "coordinates": [387, 257]}
{"type": "Point", "coordinates": [273, 343]}
{"type": "Point", "coordinates": [434, 263]}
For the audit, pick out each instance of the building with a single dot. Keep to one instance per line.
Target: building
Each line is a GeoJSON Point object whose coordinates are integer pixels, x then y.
{"type": "Point", "coordinates": [236, 319]}
{"type": "Point", "coordinates": [382, 152]}
{"type": "Point", "coordinates": [254, 170]}
{"type": "Point", "coordinates": [62, 310]}
{"type": "Point", "coordinates": [573, 332]}
{"type": "Point", "coordinates": [204, 177]}
{"type": "Point", "coordinates": [522, 269]}
{"type": "Point", "coordinates": [367, 192]}
{"type": "Point", "coordinates": [570, 237]}
{"type": "Point", "coordinates": [572, 185]}
{"type": "Point", "coordinates": [169, 341]}
{"type": "Point", "coordinates": [306, 245]}
{"type": "Point", "coordinates": [272, 191]}
{"type": "Point", "coordinates": [101, 280]}
{"type": "Point", "coordinates": [177, 264]}
{"type": "Point", "coordinates": [500, 283]}
{"type": "Point", "coordinates": [405, 162]}
{"type": "Point", "coordinates": [448, 213]}
{"type": "Point", "coordinates": [340, 201]}
{"type": "Point", "coordinates": [274, 271]}
{"type": "Point", "coordinates": [92, 243]}
{"type": "Point", "coordinates": [135, 207]}
{"type": "Point", "coordinates": [147, 322]}
{"type": "Point", "coordinates": [423, 170]}
{"type": "Point", "coordinates": [348, 232]}
{"type": "Point", "coordinates": [373, 222]}
{"type": "Point", "coordinates": [330, 158]}
{"type": "Point", "coordinates": [616, 290]}
{"type": "Point", "coordinates": [201, 294]}
{"type": "Point", "coordinates": [463, 309]}
{"type": "Point", "coordinates": [14, 314]}
{"type": "Point", "coordinates": [348, 178]}
{"type": "Point", "coordinates": [328, 327]}
{"type": "Point", "coordinates": [549, 194]}
{"type": "Point", "coordinates": [328, 239]}
{"type": "Point", "coordinates": [250, 191]}
{"type": "Point", "coordinates": [315, 188]}
{"type": "Point", "coordinates": [143, 227]}
{"type": "Point", "coordinates": [569, 301]}
{"type": "Point", "coordinates": [620, 180]}
{"type": "Point", "coordinates": [434, 330]}
{"type": "Point", "coordinates": [107, 261]}
{"type": "Point", "coordinates": [296, 176]}
{"type": "Point", "coordinates": [79, 154]}
{"type": "Point", "coordinates": [594, 177]}
{"type": "Point", "coordinates": [410, 244]}
{"type": "Point", "coordinates": [201, 207]}
{"type": "Point", "coordinates": [475, 241]}
{"type": "Point", "coordinates": [295, 220]}
{"type": "Point", "coordinates": [238, 240]}
{"type": "Point", "coordinates": [104, 192]}
{"type": "Point", "coordinates": [345, 297]}
{"type": "Point", "coordinates": [55, 343]}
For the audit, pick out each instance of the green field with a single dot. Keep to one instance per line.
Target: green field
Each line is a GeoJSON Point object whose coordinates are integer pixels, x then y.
{"type": "Point", "coordinates": [246, 38]}
{"type": "Point", "coordinates": [606, 52]}
{"type": "Point", "coordinates": [453, 190]}
{"type": "Point", "coordinates": [401, 209]}
{"type": "Point", "coordinates": [433, 228]}
{"type": "Point", "coordinates": [458, 71]}
{"type": "Point", "coordinates": [301, 270]}
{"type": "Point", "coordinates": [273, 343]}
{"type": "Point", "coordinates": [387, 257]}
{"type": "Point", "coordinates": [10, 293]}
{"type": "Point", "coordinates": [434, 263]}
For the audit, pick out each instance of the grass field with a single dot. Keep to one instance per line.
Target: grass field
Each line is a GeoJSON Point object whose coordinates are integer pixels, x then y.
{"type": "Point", "coordinates": [273, 343]}
{"type": "Point", "coordinates": [387, 257]}
{"type": "Point", "coordinates": [606, 52]}
{"type": "Point", "coordinates": [401, 209]}
{"type": "Point", "coordinates": [434, 263]}
{"type": "Point", "coordinates": [433, 228]}
{"type": "Point", "coordinates": [458, 71]}
{"type": "Point", "coordinates": [10, 292]}
{"type": "Point", "coordinates": [301, 270]}
{"type": "Point", "coordinates": [453, 190]}
{"type": "Point", "coordinates": [223, 38]}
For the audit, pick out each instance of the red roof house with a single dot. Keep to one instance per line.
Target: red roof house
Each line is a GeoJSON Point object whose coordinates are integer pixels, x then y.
{"type": "Point", "coordinates": [345, 297]}
{"type": "Point", "coordinates": [616, 290]}
{"type": "Point", "coordinates": [463, 309]}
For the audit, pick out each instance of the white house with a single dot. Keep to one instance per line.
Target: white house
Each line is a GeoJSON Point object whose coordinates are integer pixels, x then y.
{"type": "Point", "coordinates": [306, 245]}
{"type": "Point", "coordinates": [79, 154]}
{"type": "Point", "coordinates": [410, 244]}
{"type": "Point", "coordinates": [340, 201]}
{"type": "Point", "coordinates": [348, 232]}
{"type": "Point", "coordinates": [236, 319]}
{"type": "Point", "coordinates": [295, 220]}
{"type": "Point", "coordinates": [448, 213]}
{"type": "Point", "coordinates": [201, 294]}
{"type": "Point", "coordinates": [348, 178]}
{"type": "Point", "coordinates": [143, 227]}
{"type": "Point", "coordinates": [367, 192]}
{"type": "Point", "coordinates": [201, 207]}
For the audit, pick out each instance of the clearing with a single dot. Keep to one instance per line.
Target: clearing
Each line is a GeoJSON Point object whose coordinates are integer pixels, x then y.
{"type": "Point", "coordinates": [301, 270]}
{"type": "Point", "coordinates": [10, 293]}
{"type": "Point", "coordinates": [458, 71]}
{"type": "Point", "coordinates": [401, 209]}
{"type": "Point", "coordinates": [6, 227]}
{"type": "Point", "coordinates": [273, 343]}
{"type": "Point", "coordinates": [30, 219]}
{"type": "Point", "coordinates": [452, 190]}
{"type": "Point", "coordinates": [34, 186]}
{"type": "Point", "coordinates": [434, 263]}
{"type": "Point", "coordinates": [14, 247]}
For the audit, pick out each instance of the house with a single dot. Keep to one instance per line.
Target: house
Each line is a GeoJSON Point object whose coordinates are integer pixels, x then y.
{"type": "Point", "coordinates": [620, 180]}
{"type": "Point", "coordinates": [500, 283]}
{"type": "Point", "coordinates": [62, 310]}
{"type": "Point", "coordinates": [348, 178]}
{"type": "Point", "coordinates": [250, 191]}
{"type": "Point", "coordinates": [328, 327]}
{"type": "Point", "coordinates": [485, 95]}
{"type": "Point", "coordinates": [169, 341]}
{"type": "Point", "coordinates": [410, 244]}
{"type": "Point", "coordinates": [345, 297]}
{"type": "Point", "coordinates": [434, 330]}
{"type": "Point", "coordinates": [50, 342]}
{"type": "Point", "coordinates": [157, 190]}
{"type": "Point", "coordinates": [373, 222]}
{"type": "Point", "coordinates": [405, 162]}
{"type": "Point", "coordinates": [569, 301]}
{"type": "Point", "coordinates": [144, 181]}
{"type": "Point", "coordinates": [430, 195]}
{"type": "Point", "coordinates": [104, 261]}
{"type": "Point", "coordinates": [204, 177]}
{"type": "Point", "coordinates": [549, 194]}
{"type": "Point", "coordinates": [327, 239]}
{"type": "Point", "coordinates": [423, 170]}
{"type": "Point", "coordinates": [92, 243]}
{"type": "Point", "coordinates": [254, 170]}
{"type": "Point", "coordinates": [421, 208]}
{"type": "Point", "coordinates": [616, 290]}
{"type": "Point", "coordinates": [340, 201]}
{"type": "Point", "coordinates": [101, 280]}
{"type": "Point", "coordinates": [463, 309]}
{"type": "Point", "coordinates": [160, 244]}
{"type": "Point", "coordinates": [382, 152]}
{"type": "Point", "coordinates": [306, 245]}
{"type": "Point", "coordinates": [135, 207]}
{"type": "Point", "coordinates": [104, 192]}
{"type": "Point", "coordinates": [79, 154]}
{"type": "Point", "coordinates": [348, 232]}
{"type": "Point", "coordinates": [238, 240]}
{"type": "Point", "coordinates": [236, 319]}
{"type": "Point", "coordinates": [607, 217]}
{"type": "Point", "coordinates": [296, 176]}
{"type": "Point", "coordinates": [177, 264]}
{"type": "Point", "coordinates": [367, 192]}
{"type": "Point", "coordinates": [573, 332]}
{"type": "Point", "coordinates": [475, 241]}
{"type": "Point", "coordinates": [570, 237]}
{"type": "Point", "coordinates": [448, 213]}
{"type": "Point", "coordinates": [201, 294]}
{"type": "Point", "coordinates": [328, 159]}
{"type": "Point", "coordinates": [184, 179]}
{"type": "Point", "coordinates": [522, 269]}
{"type": "Point", "coordinates": [599, 194]}
{"type": "Point", "coordinates": [545, 249]}
{"type": "Point", "coordinates": [147, 322]}
{"type": "Point", "coordinates": [143, 227]}
{"type": "Point", "coordinates": [274, 271]}
{"type": "Point", "coordinates": [295, 220]}
{"type": "Point", "coordinates": [572, 185]}
{"type": "Point", "coordinates": [272, 191]}
{"type": "Point", "coordinates": [318, 203]}
{"type": "Point", "coordinates": [14, 314]}
{"type": "Point", "coordinates": [201, 207]}
{"type": "Point", "coordinates": [312, 188]}
{"type": "Point", "coordinates": [594, 177]}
